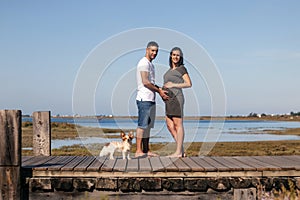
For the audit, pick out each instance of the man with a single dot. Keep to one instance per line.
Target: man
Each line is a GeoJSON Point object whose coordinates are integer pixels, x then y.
{"type": "Point", "coordinates": [145, 99]}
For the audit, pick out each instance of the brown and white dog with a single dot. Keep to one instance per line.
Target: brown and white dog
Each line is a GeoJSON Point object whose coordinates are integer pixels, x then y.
{"type": "Point", "coordinates": [123, 146]}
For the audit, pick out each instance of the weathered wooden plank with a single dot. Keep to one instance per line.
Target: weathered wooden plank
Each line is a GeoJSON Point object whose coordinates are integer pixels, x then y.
{"type": "Point", "coordinates": [83, 165]}
{"type": "Point", "coordinates": [285, 173]}
{"type": "Point", "coordinates": [133, 165]}
{"type": "Point", "coordinates": [219, 166]}
{"type": "Point", "coordinates": [268, 166]}
{"type": "Point", "coordinates": [60, 163]}
{"type": "Point", "coordinates": [240, 164]}
{"type": "Point", "coordinates": [193, 165]}
{"type": "Point", "coordinates": [96, 164]}
{"type": "Point", "coordinates": [182, 167]}
{"type": "Point", "coordinates": [276, 161]}
{"type": "Point", "coordinates": [232, 165]}
{"type": "Point", "coordinates": [41, 122]}
{"type": "Point", "coordinates": [245, 159]}
{"type": "Point", "coordinates": [168, 164]}
{"type": "Point", "coordinates": [108, 165]}
{"type": "Point", "coordinates": [10, 137]}
{"type": "Point", "coordinates": [10, 154]}
{"type": "Point", "coordinates": [52, 162]}
{"type": "Point", "coordinates": [145, 165]}
{"type": "Point", "coordinates": [40, 163]}
{"type": "Point", "coordinates": [24, 158]}
{"type": "Point", "coordinates": [36, 161]}
{"type": "Point", "coordinates": [27, 160]}
{"type": "Point", "coordinates": [10, 183]}
{"type": "Point", "coordinates": [156, 164]}
{"type": "Point", "coordinates": [260, 166]}
{"type": "Point", "coordinates": [32, 160]}
{"type": "Point", "coordinates": [73, 163]}
{"type": "Point", "coordinates": [120, 165]}
{"type": "Point", "coordinates": [294, 160]}
{"type": "Point", "coordinates": [205, 165]}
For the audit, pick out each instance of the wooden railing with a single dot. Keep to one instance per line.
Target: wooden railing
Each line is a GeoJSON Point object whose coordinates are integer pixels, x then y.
{"type": "Point", "coordinates": [10, 154]}
{"type": "Point", "coordinates": [41, 122]}
{"type": "Point", "coordinates": [11, 148]}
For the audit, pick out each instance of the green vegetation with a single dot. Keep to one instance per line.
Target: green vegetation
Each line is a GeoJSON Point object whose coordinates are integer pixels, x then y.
{"type": "Point", "coordinates": [295, 113]}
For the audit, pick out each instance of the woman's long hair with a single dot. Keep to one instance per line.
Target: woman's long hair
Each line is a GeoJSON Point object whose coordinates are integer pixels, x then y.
{"type": "Point", "coordinates": [181, 57]}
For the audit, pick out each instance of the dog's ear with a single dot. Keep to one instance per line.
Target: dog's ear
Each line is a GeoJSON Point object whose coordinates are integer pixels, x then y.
{"type": "Point", "coordinates": [122, 134]}
{"type": "Point", "coordinates": [131, 135]}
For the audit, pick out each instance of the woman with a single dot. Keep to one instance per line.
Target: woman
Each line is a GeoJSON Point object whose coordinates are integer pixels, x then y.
{"type": "Point", "coordinates": [175, 79]}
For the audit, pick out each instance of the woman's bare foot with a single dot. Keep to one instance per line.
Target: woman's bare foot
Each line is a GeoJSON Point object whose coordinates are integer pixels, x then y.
{"type": "Point", "coordinates": [175, 155]}
{"type": "Point", "coordinates": [151, 154]}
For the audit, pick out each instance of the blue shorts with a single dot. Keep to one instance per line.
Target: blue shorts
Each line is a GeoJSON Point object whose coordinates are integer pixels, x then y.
{"type": "Point", "coordinates": [146, 112]}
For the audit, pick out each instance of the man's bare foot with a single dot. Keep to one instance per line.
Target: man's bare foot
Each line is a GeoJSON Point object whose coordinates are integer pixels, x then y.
{"type": "Point", "coordinates": [151, 154]}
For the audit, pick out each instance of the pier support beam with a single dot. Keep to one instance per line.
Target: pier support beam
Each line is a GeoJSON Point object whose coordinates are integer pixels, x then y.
{"type": "Point", "coordinates": [41, 133]}
{"type": "Point", "coordinates": [10, 154]}
{"type": "Point", "coordinates": [244, 194]}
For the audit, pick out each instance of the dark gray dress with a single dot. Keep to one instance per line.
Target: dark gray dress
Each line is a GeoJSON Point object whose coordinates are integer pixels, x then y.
{"type": "Point", "coordinates": [174, 106]}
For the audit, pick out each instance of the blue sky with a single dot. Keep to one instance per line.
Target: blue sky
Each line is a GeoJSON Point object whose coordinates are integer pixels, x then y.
{"type": "Point", "coordinates": [254, 44]}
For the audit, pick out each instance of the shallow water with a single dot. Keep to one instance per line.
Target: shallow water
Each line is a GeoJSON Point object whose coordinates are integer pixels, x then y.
{"type": "Point", "coordinates": [195, 131]}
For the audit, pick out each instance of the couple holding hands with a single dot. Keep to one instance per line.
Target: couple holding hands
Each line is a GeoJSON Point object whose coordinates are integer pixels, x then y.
{"type": "Point", "coordinates": [175, 79]}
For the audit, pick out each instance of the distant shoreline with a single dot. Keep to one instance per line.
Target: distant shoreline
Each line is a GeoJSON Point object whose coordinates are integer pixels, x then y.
{"type": "Point", "coordinates": [233, 118]}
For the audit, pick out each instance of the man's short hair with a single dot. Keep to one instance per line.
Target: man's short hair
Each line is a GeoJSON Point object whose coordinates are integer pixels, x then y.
{"type": "Point", "coordinates": [151, 44]}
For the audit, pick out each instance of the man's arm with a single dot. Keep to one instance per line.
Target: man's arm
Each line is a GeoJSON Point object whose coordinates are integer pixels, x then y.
{"type": "Point", "coordinates": [153, 87]}
{"type": "Point", "coordinates": [147, 83]}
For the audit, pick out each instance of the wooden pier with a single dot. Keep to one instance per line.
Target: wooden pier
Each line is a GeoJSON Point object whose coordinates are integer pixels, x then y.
{"type": "Point", "coordinates": [77, 177]}
{"type": "Point", "coordinates": [230, 177]}
{"type": "Point", "coordinates": [89, 166]}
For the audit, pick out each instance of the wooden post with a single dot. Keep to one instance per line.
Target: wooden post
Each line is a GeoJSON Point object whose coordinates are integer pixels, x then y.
{"type": "Point", "coordinates": [41, 133]}
{"type": "Point", "coordinates": [244, 194]}
{"type": "Point", "coordinates": [10, 154]}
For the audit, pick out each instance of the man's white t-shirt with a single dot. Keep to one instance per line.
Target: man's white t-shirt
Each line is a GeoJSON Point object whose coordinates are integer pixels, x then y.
{"type": "Point", "coordinates": [143, 93]}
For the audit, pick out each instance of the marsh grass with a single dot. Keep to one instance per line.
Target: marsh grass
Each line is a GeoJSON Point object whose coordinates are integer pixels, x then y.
{"type": "Point", "coordinates": [67, 131]}
{"type": "Point", "coordinates": [235, 148]}
{"type": "Point", "coordinates": [220, 149]}
{"type": "Point", "coordinates": [70, 131]}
